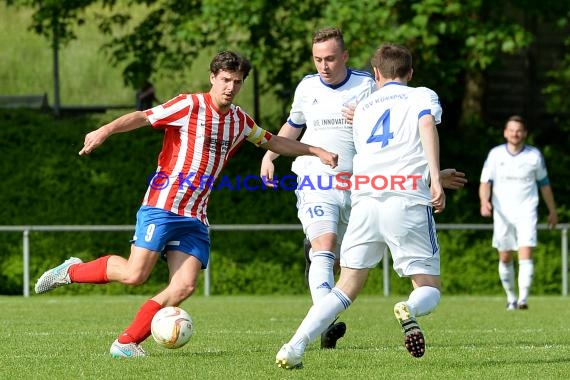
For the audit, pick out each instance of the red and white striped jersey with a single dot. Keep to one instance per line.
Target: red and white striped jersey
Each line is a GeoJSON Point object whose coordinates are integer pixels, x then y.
{"type": "Point", "coordinates": [198, 142]}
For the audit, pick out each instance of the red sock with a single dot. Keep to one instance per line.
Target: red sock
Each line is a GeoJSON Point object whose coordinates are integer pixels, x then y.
{"type": "Point", "coordinates": [139, 329]}
{"type": "Point", "coordinates": [92, 272]}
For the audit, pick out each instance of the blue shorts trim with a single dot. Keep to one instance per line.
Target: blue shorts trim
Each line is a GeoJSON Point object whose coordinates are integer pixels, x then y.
{"type": "Point", "coordinates": [161, 231]}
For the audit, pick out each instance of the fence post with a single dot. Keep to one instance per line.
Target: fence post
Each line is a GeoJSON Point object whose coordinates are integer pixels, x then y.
{"type": "Point", "coordinates": [207, 277]}
{"type": "Point", "coordinates": [26, 249]}
{"type": "Point", "coordinates": [564, 244]}
{"type": "Point", "coordinates": [386, 272]}
{"type": "Point", "coordinates": [207, 271]}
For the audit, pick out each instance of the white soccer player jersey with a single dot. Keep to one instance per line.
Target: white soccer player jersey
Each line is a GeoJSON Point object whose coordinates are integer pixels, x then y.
{"type": "Point", "coordinates": [319, 106]}
{"type": "Point", "coordinates": [198, 141]}
{"type": "Point", "coordinates": [389, 154]}
{"type": "Point", "coordinates": [514, 179]}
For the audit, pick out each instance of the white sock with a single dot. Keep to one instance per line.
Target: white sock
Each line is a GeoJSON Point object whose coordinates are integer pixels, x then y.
{"type": "Point", "coordinates": [423, 300]}
{"type": "Point", "coordinates": [507, 276]}
{"type": "Point", "coordinates": [321, 274]}
{"type": "Point", "coordinates": [319, 317]}
{"type": "Point", "coordinates": [526, 271]}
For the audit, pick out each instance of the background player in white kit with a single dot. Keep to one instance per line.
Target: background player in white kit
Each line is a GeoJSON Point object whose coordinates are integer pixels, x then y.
{"type": "Point", "coordinates": [323, 103]}
{"type": "Point", "coordinates": [512, 173]}
{"type": "Point", "coordinates": [394, 134]}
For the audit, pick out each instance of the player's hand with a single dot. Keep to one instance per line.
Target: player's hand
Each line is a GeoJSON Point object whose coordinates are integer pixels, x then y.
{"type": "Point", "coordinates": [267, 171]}
{"type": "Point", "coordinates": [328, 158]}
{"type": "Point", "coordinates": [437, 198]}
{"type": "Point", "coordinates": [93, 140]}
{"type": "Point", "coordinates": [348, 112]}
{"type": "Point", "coordinates": [552, 220]}
{"type": "Point", "coordinates": [452, 179]}
{"type": "Point", "coordinates": [486, 209]}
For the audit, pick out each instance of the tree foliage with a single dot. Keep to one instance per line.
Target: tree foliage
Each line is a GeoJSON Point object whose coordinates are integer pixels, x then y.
{"type": "Point", "coordinates": [453, 41]}
{"type": "Point", "coordinates": [450, 39]}
{"type": "Point", "coordinates": [54, 18]}
{"type": "Point", "coordinates": [557, 101]}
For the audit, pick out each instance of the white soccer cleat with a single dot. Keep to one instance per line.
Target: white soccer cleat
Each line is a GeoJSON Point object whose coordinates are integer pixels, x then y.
{"type": "Point", "coordinates": [57, 276]}
{"type": "Point", "coordinates": [511, 306]}
{"type": "Point", "coordinates": [287, 358]}
{"type": "Point", "coordinates": [128, 350]}
{"type": "Point", "coordinates": [413, 336]}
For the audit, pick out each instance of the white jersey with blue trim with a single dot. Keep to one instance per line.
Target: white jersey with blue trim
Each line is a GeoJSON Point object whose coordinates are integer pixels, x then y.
{"type": "Point", "coordinates": [318, 106]}
{"type": "Point", "coordinates": [515, 179]}
{"type": "Point", "coordinates": [389, 152]}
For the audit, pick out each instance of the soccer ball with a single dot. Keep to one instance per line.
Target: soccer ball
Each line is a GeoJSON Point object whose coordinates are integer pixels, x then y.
{"type": "Point", "coordinates": [171, 327]}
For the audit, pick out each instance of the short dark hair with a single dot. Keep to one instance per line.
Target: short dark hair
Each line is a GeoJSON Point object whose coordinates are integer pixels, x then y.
{"type": "Point", "coordinates": [393, 61]}
{"type": "Point", "coordinates": [326, 34]}
{"type": "Point", "coordinates": [518, 119]}
{"type": "Point", "coordinates": [230, 61]}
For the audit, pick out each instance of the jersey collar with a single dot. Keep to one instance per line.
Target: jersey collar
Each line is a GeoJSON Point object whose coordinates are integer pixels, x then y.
{"type": "Point", "coordinates": [517, 153]}
{"type": "Point", "coordinates": [393, 82]}
{"type": "Point", "coordinates": [340, 84]}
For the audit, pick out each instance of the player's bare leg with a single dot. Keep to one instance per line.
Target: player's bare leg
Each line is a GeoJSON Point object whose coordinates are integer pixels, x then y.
{"type": "Point", "coordinates": [184, 270]}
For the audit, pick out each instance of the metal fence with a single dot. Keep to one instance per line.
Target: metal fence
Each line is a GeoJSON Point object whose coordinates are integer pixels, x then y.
{"type": "Point", "coordinates": [25, 230]}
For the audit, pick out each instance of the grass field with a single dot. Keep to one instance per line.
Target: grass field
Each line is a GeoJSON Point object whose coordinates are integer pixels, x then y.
{"type": "Point", "coordinates": [237, 337]}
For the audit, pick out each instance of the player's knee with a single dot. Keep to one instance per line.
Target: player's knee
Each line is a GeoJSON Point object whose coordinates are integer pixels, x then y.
{"type": "Point", "coordinates": [136, 278]}
{"type": "Point", "coordinates": [426, 280]}
{"type": "Point", "coordinates": [505, 257]}
{"type": "Point", "coordinates": [180, 293]}
{"type": "Point", "coordinates": [323, 235]}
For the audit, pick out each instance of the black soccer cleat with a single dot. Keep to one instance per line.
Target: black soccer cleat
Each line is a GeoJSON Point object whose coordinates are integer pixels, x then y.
{"type": "Point", "coordinates": [333, 333]}
{"type": "Point", "coordinates": [415, 343]}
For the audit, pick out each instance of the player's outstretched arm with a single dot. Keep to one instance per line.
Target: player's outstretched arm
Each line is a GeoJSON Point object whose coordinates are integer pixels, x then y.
{"type": "Point", "coordinates": [289, 147]}
{"type": "Point", "coordinates": [452, 179]}
{"type": "Point", "coordinates": [124, 123]}
{"type": "Point", "coordinates": [267, 170]}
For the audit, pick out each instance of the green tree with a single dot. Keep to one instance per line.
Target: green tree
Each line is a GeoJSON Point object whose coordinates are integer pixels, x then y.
{"type": "Point", "coordinates": [558, 106]}
{"type": "Point", "coordinates": [454, 41]}
{"type": "Point", "coordinates": [557, 100]}
{"type": "Point", "coordinates": [55, 20]}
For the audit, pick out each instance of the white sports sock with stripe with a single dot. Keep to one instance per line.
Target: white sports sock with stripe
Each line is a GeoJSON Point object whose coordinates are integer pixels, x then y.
{"type": "Point", "coordinates": [526, 272]}
{"type": "Point", "coordinates": [319, 317]}
{"type": "Point", "coordinates": [423, 300]}
{"type": "Point", "coordinates": [321, 274]}
{"type": "Point", "coordinates": [507, 276]}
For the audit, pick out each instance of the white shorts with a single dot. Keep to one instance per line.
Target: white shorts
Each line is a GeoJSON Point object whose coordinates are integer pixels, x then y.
{"type": "Point", "coordinates": [406, 228]}
{"type": "Point", "coordinates": [510, 235]}
{"type": "Point", "coordinates": [331, 206]}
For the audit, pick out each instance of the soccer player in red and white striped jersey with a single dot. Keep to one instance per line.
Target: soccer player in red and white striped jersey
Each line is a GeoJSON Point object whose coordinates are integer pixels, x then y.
{"type": "Point", "coordinates": [201, 133]}
{"type": "Point", "coordinates": [199, 140]}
